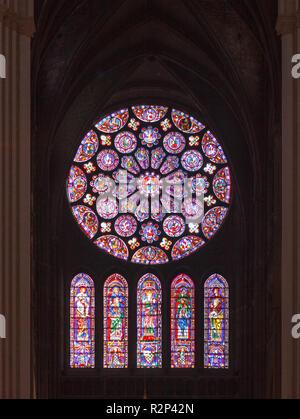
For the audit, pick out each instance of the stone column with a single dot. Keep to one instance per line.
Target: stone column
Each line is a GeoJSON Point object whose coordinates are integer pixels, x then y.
{"type": "Point", "coordinates": [16, 29]}
{"type": "Point", "coordinates": [289, 28]}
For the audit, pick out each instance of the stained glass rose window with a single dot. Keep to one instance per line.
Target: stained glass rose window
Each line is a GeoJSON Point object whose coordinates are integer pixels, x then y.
{"type": "Point", "coordinates": [149, 184]}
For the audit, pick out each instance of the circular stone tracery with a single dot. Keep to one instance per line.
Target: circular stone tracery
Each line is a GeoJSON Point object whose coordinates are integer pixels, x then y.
{"type": "Point", "coordinates": [149, 184]}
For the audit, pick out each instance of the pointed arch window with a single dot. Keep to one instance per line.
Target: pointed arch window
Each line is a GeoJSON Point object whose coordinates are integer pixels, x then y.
{"type": "Point", "coordinates": [182, 322]}
{"type": "Point", "coordinates": [82, 322]}
{"type": "Point", "coordinates": [149, 298]}
{"type": "Point", "coordinates": [115, 322]}
{"type": "Point", "coordinates": [216, 323]}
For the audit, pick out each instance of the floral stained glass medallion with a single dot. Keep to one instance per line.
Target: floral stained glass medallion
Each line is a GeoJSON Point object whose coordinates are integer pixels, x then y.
{"type": "Point", "coordinates": [114, 122]}
{"type": "Point", "coordinates": [88, 148]}
{"type": "Point", "coordinates": [77, 184]}
{"type": "Point", "coordinates": [157, 176]}
{"type": "Point", "coordinates": [125, 142]}
{"type": "Point", "coordinates": [87, 220]}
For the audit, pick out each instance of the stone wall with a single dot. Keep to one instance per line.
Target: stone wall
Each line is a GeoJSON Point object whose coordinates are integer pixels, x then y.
{"type": "Point", "coordinates": [16, 29]}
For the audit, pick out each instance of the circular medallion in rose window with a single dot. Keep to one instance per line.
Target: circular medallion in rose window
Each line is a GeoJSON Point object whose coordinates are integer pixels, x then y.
{"type": "Point", "coordinates": [149, 184]}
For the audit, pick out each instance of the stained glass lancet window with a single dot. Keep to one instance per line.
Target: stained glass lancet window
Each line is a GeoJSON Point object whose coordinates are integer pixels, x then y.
{"type": "Point", "coordinates": [149, 298]}
{"type": "Point", "coordinates": [216, 323]}
{"type": "Point", "coordinates": [116, 322]}
{"type": "Point", "coordinates": [182, 323]}
{"type": "Point", "coordinates": [149, 184]}
{"type": "Point", "coordinates": [82, 322]}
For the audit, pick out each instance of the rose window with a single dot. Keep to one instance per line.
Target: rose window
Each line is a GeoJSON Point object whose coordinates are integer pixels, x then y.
{"type": "Point", "coordinates": [149, 184]}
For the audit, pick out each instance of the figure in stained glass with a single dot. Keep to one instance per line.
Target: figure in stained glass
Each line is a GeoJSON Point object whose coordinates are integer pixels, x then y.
{"type": "Point", "coordinates": [115, 322]}
{"type": "Point", "coordinates": [82, 319]}
{"type": "Point", "coordinates": [182, 323]}
{"type": "Point", "coordinates": [149, 323]}
{"type": "Point", "coordinates": [216, 323]}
